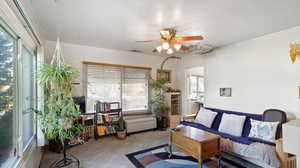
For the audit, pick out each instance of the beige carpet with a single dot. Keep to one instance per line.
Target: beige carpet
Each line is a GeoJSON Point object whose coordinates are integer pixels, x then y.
{"type": "Point", "coordinates": [109, 152]}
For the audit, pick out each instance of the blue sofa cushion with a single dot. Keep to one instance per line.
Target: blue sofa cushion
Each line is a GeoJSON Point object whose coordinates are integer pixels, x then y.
{"type": "Point", "coordinates": [241, 139]}
{"type": "Point", "coordinates": [247, 125]}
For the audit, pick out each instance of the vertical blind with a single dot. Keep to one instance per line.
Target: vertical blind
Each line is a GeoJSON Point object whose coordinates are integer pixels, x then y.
{"type": "Point", "coordinates": [129, 86]}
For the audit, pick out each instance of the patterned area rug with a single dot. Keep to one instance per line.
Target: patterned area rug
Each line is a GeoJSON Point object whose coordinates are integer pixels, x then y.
{"type": "Point", "coordinates": [157, 157]}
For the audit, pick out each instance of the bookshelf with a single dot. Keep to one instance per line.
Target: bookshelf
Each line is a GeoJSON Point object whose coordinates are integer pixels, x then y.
{"type": "Point", "coordinates": [173, 100]}
{"type": "Point", "coordinates": [106, 116]}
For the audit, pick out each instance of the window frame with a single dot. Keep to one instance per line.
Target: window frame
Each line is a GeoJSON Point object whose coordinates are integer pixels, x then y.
{"type": "Point", "coordinates": [19, 151]}
{"type": "Point", "coordinates": [122, 69]}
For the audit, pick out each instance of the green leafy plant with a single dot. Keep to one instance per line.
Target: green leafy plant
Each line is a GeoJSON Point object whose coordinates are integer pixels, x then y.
{"type": "Point", "coordinates": [58, 120]}
{"type": "Point", "coordinates": [159, 88]}
{"type": "Point", "coordinates": [120, 125]}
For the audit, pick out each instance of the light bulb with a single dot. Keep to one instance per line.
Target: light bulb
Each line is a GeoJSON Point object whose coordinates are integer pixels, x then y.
{"type": "Point", "coordinates": [177, 46]}
{"type": "Point", "coordinates": [165, 45]}
{"type": "Point", "coordinates": [159, 48]}
{"type": "Point", "coordinates": [170, 51]}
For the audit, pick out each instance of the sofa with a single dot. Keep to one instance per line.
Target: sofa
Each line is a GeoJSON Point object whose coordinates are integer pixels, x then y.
{"type": "Point", "coordinates": [259, 152]}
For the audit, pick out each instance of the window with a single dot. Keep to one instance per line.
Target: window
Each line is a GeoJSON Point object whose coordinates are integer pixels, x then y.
{"type": "Point", "coordinates": [117, 84]}
{"type": "Point", "coordinates": [104, 84]}
{"type": "Point", "coordinates": [28, 95]}
{"type": "Point", "coordinates": [135, 90]}
{"type": "Point", "coordinates": [196, 87]}
{"type": "Point", "coordinates": [8, 45]}
{"type": "Point", "coordinates": [17, 97]}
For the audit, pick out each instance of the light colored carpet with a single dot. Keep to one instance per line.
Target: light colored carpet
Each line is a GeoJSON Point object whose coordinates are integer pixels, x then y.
{"type": "Point", "coordinates": [109, 152]}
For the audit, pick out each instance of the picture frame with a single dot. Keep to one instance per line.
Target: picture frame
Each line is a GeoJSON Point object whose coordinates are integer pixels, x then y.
{"type": "Point", "coordinates": [226, 92]}
{"type": "Point", "coordinates": [164, 74]}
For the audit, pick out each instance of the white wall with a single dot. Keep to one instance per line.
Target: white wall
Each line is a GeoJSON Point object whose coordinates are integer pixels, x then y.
{"type": "Point", "coordinates": [76, 54]}
{"type": "Point", "coordinates": [259, 71]}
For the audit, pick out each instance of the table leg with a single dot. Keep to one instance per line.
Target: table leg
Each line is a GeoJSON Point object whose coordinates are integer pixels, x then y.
{"type": "Point", "coordinates": [170, 151]}
{"type": "Point", "coordinates": [200, 163]}
{"type": "Point", "coordinates": [219, 161]}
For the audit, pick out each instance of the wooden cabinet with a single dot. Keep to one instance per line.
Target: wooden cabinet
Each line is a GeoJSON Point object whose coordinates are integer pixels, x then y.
{"type": "Point", "coordinates": [173, 100]}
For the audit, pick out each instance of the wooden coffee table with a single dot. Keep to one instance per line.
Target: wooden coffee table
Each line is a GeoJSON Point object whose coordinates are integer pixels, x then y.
{"type": "Point", "coordinates": [196, 143]}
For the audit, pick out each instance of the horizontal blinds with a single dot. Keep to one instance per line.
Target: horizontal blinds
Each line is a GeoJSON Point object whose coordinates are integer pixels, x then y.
{"type": "Point", "coordinates": [103, 84]}
{"type": "Point", "coordinates": [135, 90]}
{"type": "Point", "coordinates": [129, 86]}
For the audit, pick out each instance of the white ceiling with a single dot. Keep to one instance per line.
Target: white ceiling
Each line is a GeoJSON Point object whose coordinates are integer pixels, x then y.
{"type": "Point", "coordinates": [117, 24]}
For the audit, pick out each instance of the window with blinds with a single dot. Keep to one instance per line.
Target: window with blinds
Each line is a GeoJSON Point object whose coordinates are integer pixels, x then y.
{"type": "Point", "coordinates": [129, 86]}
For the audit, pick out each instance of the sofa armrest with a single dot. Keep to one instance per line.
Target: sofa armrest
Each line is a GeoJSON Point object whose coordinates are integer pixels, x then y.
{"type": "Point", "coordinates": [190, 117]}
{"type": "Point", "coordinates": [286, 160]}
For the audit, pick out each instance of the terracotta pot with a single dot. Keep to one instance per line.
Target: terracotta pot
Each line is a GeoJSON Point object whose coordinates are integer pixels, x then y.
{"type": "Point", "coordinates": [121, 134]}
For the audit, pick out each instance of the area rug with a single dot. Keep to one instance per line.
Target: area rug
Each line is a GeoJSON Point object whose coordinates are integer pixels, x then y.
{"type": "Point", "coordinates": [158, 157]}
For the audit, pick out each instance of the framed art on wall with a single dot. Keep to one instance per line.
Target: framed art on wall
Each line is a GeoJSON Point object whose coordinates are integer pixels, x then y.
{"type": "Point", "coordinates": [164, 74]}
{"type": "Point", "coordinates": [225, 92]}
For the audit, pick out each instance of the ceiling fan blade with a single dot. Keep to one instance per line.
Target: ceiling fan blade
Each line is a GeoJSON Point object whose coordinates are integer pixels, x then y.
{"type": "Point", "coordinates": [154, 50]}
{"type": "Point", "coordinates": [188, 38]}
{"type": "Point", "coordinates": [150, 41]}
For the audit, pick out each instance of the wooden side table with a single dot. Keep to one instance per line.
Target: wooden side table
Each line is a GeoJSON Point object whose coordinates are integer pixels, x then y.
{"type": "Point", "coordinates": [196, 143]}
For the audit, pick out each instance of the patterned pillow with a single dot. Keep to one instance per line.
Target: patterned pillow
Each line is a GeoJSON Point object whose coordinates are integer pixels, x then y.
{"type": "Point", "coordinates": [263, 130]}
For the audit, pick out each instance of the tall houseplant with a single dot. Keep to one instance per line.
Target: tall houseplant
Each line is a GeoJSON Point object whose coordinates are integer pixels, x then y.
{"type": "Point", "coordinates": [159, 107]}
{"type": "Point", "coordinates": [58, 120]}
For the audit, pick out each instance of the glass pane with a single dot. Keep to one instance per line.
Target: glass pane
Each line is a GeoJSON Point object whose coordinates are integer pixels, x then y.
{"type": "Point", "coordinates": [104, 84]}
{"type": "Point", "coordinates": [201, 85]}
{"type": "Point", "coordinates": [7, 95]}
{"type": "Point", "coordinates": [135, 95]}
{"type": "Point", "coordinates": [193, 87]}
{"type": "Point", "coordinates": [28, 65]}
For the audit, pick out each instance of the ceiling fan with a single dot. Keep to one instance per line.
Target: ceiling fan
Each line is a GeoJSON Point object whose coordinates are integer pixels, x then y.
{"type": "Point", "coordinates": [169, 41]}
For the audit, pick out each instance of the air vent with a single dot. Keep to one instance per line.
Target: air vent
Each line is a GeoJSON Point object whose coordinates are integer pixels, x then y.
{"type": "Point", "coordinates": [137, 51]}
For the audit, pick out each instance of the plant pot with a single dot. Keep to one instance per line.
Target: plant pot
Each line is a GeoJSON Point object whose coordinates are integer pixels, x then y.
{"type": "Point", "coordinates": [121, 134]}
{"type": "Point", "coordinates": [55, 145]}
{"type": "Point", "coordinates": [161, 123]}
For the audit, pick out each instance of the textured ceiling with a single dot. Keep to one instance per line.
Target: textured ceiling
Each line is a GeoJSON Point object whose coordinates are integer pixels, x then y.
{"type": "Point", "coordinates": [117, 24]}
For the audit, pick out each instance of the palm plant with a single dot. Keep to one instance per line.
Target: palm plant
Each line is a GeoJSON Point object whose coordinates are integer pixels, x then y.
{"type": "Point", "coordinates": [159, 88]}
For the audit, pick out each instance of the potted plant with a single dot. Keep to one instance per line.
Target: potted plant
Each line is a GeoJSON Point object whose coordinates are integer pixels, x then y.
{"type": "Point", "coordinates": [120, 128]}
{"type": "Point", "coordinates": [159, 107]}
{"type": "Point", "coordinates": [59, 117]}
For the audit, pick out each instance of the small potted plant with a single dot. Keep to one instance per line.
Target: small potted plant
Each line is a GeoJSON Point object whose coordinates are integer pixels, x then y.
{"type": "Point", "coordinates": [120, 128]}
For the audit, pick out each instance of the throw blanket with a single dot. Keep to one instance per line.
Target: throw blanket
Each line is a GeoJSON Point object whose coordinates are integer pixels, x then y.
{"type": "Point", "coordinates": [259, 151]}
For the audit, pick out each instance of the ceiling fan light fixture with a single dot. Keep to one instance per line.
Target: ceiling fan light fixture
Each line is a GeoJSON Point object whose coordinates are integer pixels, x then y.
{"type": "Point", "coordinates": [177, 46]}
{"type": "Point", "coordinates": [165, 45]}
{"type": "Point", "coordinates": [159, 48]}
{"type": "Point", "coordinates": [164, 32]}
{"type": "Point", "coordinates": [170, 51]}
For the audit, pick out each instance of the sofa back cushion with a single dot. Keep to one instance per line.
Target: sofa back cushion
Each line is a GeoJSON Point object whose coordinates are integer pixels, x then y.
{"type": "Point", "coordinates": [232, 124]}
{"type": "Point", "coordinates": [205, 117]}
{"type": "Point", "coordinates": [247, 124]}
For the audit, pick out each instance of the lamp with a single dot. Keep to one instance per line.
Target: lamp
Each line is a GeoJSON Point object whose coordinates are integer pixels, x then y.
{"type": "Point", "coordinates": [170, 51]}
{"type": "Point", "coordinates": [165, 45]}
{"type": "Point", "coordinates": [159, 48]}
{"type": "Point", "coordinates": [177, 46]}
{"type": "Point", "coordinates": [291, 137]}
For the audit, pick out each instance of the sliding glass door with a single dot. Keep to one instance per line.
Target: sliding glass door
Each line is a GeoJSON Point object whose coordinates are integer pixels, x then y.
{"type": "Point", "coordinates": [8, 53]}
{"type": "Point", "coordinates": [28, 95]}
